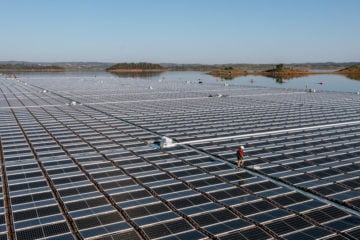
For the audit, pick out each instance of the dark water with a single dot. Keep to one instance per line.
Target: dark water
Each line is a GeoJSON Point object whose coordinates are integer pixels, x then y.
{"type": "Point", "coordinates": [323, 82]}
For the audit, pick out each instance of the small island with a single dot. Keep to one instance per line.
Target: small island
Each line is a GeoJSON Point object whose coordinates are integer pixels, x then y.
{"type": "Point", "coordinates": [279, 71]}
{"type": "Point", "coordinates": [136, 67]}
{"type": "Point", "coordinates": [228, 73]}
{"type": "Point", "coordinates": [282, 72]}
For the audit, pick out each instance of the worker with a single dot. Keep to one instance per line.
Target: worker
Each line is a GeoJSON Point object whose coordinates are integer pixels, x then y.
{"type": "Point", "coordinates": [240, 156]}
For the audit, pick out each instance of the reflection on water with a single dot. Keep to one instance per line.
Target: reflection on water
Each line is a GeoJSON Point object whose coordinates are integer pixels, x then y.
{"type": "Point", "coordinates": [281, 79]}
{"type": "Point", "coordinates": [353, 76]}
{"type": "Point", "coordinates": [227, 78]}
{"type": "Point", "coordinates": [145, 75]}
{"type": "Point", "coordinates": [322, 82]}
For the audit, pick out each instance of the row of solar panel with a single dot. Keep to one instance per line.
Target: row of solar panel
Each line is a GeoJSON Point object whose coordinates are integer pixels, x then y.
{"type": "Point", "coordinates": [343, 165]}
{"type": "Point", "coordinates": [172, 190]}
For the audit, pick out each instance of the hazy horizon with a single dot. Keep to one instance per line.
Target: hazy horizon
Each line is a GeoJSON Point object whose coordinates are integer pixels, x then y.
{"type": "Point", "coordinates": [181, 32]}
{"type": "Point", "coordinates": [179, 63]}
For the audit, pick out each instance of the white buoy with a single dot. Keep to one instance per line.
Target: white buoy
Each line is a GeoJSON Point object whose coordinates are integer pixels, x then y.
{"type": "Point", "coordinates": [165, 142]}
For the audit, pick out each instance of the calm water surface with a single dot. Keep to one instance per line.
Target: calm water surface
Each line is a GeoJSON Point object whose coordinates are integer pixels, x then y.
{"type": "Point", "coordinates": [323, 82]}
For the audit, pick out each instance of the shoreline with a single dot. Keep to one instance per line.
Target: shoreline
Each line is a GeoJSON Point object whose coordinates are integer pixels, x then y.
{"type": "Point", "coordinates": [230, 75]}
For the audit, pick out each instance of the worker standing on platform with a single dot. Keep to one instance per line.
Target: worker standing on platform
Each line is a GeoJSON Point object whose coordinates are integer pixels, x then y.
{"type": "Point", "coordinates": [240, 156]}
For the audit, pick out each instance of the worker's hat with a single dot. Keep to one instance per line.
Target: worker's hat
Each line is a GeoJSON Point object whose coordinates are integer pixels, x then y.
{"type": "Point", "coordinates": [242, 147]}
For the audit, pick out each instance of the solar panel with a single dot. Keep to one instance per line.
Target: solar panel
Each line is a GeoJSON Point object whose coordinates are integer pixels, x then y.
{"type": "Point", "coordinates": [249, 233]}
{"type": "Point", "coordinates": [146, 210]}
{"type": "Point", "coordinates": [355, 233]}
{"type": "Point", "coordinates": [55, 229]}
{"type": "Point", "coordinates": [131, 235]}
{"type": "Point", "coordinates": [311, 233]}
{"type": "Point", "coordinates": [32, 233]}
{"type": "Point", "coordinates": [157, 231]}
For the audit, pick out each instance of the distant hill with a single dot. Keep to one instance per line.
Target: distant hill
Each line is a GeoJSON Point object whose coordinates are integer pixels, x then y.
{"type": "Point", "coordinates": [240, 67]}
{"type": "Point", "coordinates": [30, 68]}
{"type": "Point", "coordinates": [84, 66]}
{"type": "Point", "coordinates": [66, 66]}
{"type": "Point", "coordinates": [136, 67]}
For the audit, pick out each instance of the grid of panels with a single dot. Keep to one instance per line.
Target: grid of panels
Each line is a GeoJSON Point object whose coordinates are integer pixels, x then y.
{"type": "Point", "coordinates": [2, 211]}
{"type": "Point", "coordinates": [88, 168]}
{"type": "Point", "coordinates": [326, 163]}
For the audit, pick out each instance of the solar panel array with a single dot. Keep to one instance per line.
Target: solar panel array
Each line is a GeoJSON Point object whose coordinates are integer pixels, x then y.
{"type": "Point", "coordinates": [78, 160]}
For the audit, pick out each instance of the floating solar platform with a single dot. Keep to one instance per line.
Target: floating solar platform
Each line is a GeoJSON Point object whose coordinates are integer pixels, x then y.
{"type": "Point", "coordinates": [78, 160]}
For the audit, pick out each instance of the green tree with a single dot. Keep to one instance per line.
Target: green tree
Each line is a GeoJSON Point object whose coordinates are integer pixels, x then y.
{"type": "Point", "coordinates": [279, 67]}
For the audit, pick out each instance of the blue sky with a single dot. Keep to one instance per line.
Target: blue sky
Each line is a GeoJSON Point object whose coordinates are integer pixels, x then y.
{"type": "Point", "coordinates": [180, 31]}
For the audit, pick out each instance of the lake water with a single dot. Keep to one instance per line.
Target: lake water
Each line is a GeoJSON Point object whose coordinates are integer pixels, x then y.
{"type": "Point", "coordinates": [323, 82]}
{"type": "Point", "coordinates": [326, 82]}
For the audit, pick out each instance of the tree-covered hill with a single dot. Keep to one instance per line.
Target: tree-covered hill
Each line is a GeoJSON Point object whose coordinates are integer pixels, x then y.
{"type": "Point", "coordinates": [352, 72]}
{"type": "Point", "coordinates": [227, 73]}
{"type": "Point", "coordinates": [351, 69]}
{"type": "Point", "coordinates": [29, 68]}
{"type": "Point", "coordinates": [141, 66]}
{"type": "Point", "coordinates": [284, 72]}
